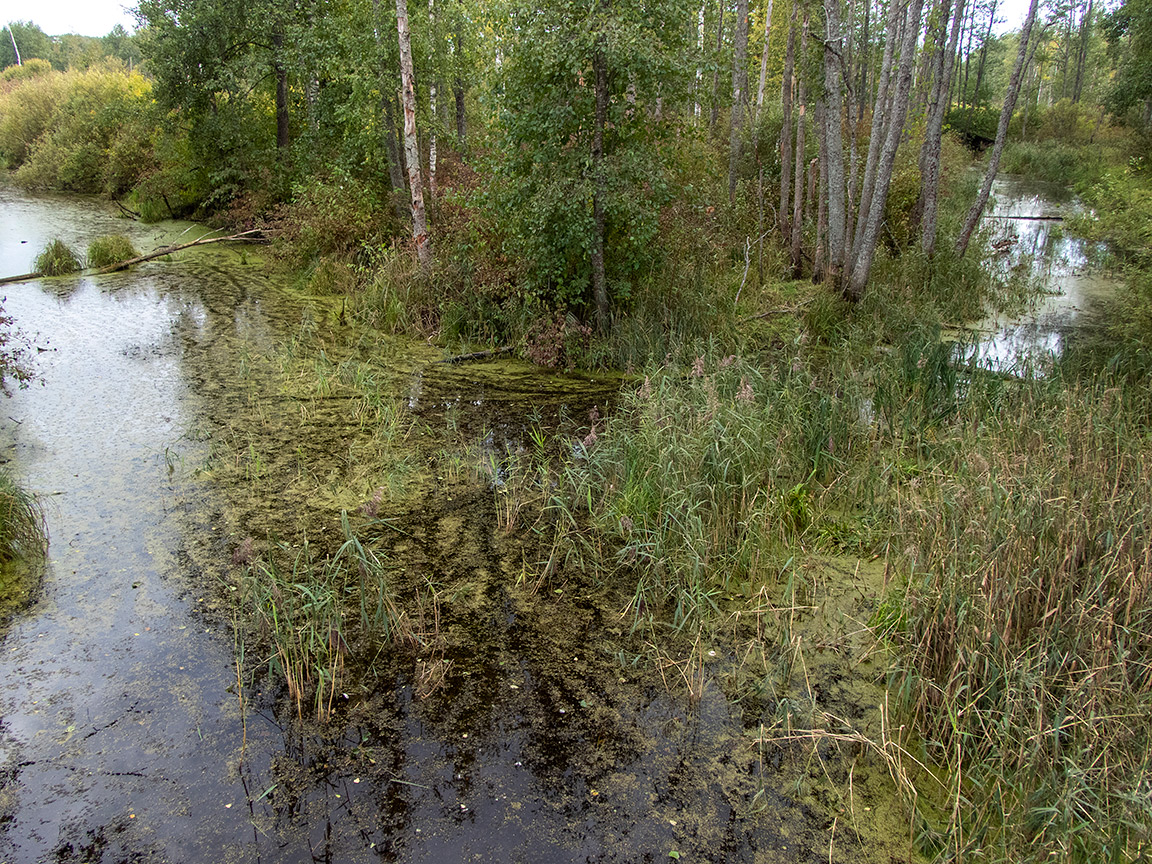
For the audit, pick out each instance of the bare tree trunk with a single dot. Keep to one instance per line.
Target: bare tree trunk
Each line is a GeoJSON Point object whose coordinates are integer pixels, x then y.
{"type": "Point", "coordinates": [282, 135]}
{"type": "Point", "coordinates": [411, 145]}
{"type": "Point", "coordinates": [1001, 135]}
{"type": "Point", "coordinates": [876, 136]}
{"type": "Point", "coordinates": [798, 192]}
{"type": "Point", "coordinates": [1082, 55]}
{"type": "Point", "coordinates": [832, 143]}
{"type": "Point", "coordinates": [716, 71]}
{"type": "Point", "coordinates": [763, 62]}
{"type": "Point", "coordinates": [739, 95]}
{"type": "Point", "coordinates": [432, 118]}
{"type": "Point", "coordinates": [864, 249]}
{"type": "Point", "coordinates": [819, 266]}
{"type": "Point", "coordinates": [927, 206]}
{"type": "Point", "coordinates": [980, 67]}
{"type": "Point", "coordinates": [599, 278]}
{"type": "Point", "coordinates": [699, 65]}
{"type": "Point", "coordinates": [786, 84]}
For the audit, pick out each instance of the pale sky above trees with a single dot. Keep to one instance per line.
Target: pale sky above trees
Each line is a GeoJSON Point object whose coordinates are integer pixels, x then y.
{"type": "Point", "coordinates": [97, 17]}
{"type": "Point", "coordinates": [86, 17]}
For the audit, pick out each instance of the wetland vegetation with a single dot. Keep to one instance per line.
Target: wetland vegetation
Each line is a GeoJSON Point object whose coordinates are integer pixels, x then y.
{"type": "Point", "coordinates": [645, 490]}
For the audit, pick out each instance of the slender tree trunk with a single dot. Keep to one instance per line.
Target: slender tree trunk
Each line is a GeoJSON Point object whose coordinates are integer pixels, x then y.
{"type": "Point", "coordinates": [853, 107]}
{"type": "Point", "coordinates": [983, 58]}
{"type": "Point", "coordinates": [432, 118]}
{"type": "Point", "coordinates": [927, 206]}
{"type": "Point", "coordinates": [832, 142]}
{"type": "Point", "coordinates": [1001, 135]}
{"type": "Point", "coordinates": [786, 84]}
{"type": "Point", "coordinates": [739, 96]}
{"type": "Point", "coordinates": [763, 62]}
{"type": "Point", "coordinates": [411, 144]}
{"type": "Point", "coordinates": [699, 65]}
{"type": "Point", "coordinates": [716, 71]}
{"type": "Point", "coordinates": [819, 266]}
{"type": "Point", "coordinates": [864, 249]}
{"type": "Point", "coordinates": [798, 191]}
{"type": "Point", "coordinates": [879, 121]}
{"type": "Point", "coordinates": [599, 278]}
{"type": "Point", "coordinates": [1082, 55]}
{"type": "Point", "coordinates": [282, 134]}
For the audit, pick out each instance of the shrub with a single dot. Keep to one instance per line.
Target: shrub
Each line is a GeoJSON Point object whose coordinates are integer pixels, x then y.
{"type": "Point", "coordinates": [110, 250]}
{"type": "Point", "coordinates": [57, 259]}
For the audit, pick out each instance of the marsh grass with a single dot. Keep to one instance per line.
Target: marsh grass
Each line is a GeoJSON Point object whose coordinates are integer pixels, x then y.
{"type": "Point", "coordinates": [23, 531]}
{"type": "Point", "coordinates": [1014, 511]}
{"type": "Point", "coordinates": [57, 259]}
{"type": "Point", "coordinates": [112, 249]}
{"type": "Point", "coordinates": [312, 613]}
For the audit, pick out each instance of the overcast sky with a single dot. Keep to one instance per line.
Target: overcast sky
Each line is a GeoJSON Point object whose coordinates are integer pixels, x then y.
{"type": "Point", "coordinates": [97, 17]}
{"type": "Point", "coordinates": [86, 17]}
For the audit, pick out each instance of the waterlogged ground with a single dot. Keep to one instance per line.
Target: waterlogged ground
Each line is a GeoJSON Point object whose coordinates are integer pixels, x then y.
{"type": "Point", "coordinates": [195, 419]}
{"type": "Point", "coordinates": [1025, 219]}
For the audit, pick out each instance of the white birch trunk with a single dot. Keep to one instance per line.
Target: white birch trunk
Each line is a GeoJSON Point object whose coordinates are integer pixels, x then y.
{"type": "Point", "coordinates": [411, 145]}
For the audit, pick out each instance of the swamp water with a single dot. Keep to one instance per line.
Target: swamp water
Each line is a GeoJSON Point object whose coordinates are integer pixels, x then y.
{"type": "Point", "coordinates": [195, 418]}
{"type": "Point", "coordinates": [1025, 220]}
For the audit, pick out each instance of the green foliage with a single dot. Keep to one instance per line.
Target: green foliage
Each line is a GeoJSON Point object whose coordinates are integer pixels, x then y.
{"type": "Point", "coordinates": [74, 130]}
{"type": "Point", "coordinates": [110, 250]}
{"type": "Point", "coordinates": [57, 259]}
{"type": "Point", "coordinates": [545, 166]}
{"type": "Point", "coordinates": [1053, 161]}
{"type": "Point", "coordinates": [1120, 214]}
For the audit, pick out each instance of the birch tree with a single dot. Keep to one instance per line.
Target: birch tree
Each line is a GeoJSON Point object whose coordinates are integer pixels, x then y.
{"type": "Point", "coordinates": [739, 95]}
{"type": "Point", "coordinates": [993, 168]}
{"type": "Point", "coordinates": [411, 143]}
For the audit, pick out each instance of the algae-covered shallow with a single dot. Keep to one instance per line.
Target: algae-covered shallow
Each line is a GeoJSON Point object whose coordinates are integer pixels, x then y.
{"type": "Point", "coordinates": [199, 427]}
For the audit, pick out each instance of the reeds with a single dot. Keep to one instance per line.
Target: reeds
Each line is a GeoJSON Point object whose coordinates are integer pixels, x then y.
{"type": "Point", "coordinates": [23, 532]}
{"type": "Point", "coordinates": [57, 259]}
{"type": "Point", "coordinates": [1016, 510]}
{"type": "Point", "coordinates": [111, 249]}
{"type": "Point", "coordinates": [307, 616]}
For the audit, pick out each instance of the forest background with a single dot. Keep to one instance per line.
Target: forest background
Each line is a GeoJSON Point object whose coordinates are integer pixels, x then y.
{"type": "Point", "coordinates": [770, 212]}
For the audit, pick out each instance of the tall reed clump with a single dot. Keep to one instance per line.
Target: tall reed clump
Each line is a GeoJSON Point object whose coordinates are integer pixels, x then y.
{"type": "Point", "coordinates": [1015, 506]}
{"type": "Point", "coordinates": [112, 249]}
{"type": "Point", "coordinates": [23, 533]}
{"type": "Point", "coordinates": [313, 615]}
{"type": "Point", "coordinates": [1027, 628]}
{"type": "Point", "coordinates": [701, 480]}
{"type": "Point", "coordinates": [57, 259]}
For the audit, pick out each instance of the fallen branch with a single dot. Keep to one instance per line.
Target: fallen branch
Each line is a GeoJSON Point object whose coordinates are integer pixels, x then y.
{"type": "Point", "coordinates": [476, 355]}
{"type": "Point", "coordinates": [168, 250]}
{"type": "Point", "coordinates": [1032, 218]}
{"type": "Point", "coordinates": [23, 277]}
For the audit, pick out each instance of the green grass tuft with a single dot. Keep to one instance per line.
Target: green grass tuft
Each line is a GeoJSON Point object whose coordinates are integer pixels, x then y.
{"type": "Point", "coordinates": [57, 259]}
{"type": "Point", "coordinates": [104, 251]}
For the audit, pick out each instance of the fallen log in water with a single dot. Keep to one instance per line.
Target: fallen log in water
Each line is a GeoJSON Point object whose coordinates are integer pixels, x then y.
{"type": "Point", "coordinates": [168, 250]}
{"type": "Point", "coordinates": [251, 235]}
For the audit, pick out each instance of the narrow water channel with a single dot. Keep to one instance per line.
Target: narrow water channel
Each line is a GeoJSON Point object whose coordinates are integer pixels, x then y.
{"type": "Point", "coordinates": [192, 415]}
{"type": "Point", "coordinates": [1025, 220]}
